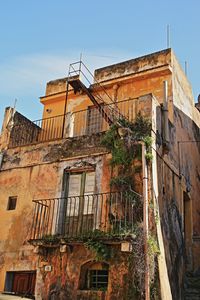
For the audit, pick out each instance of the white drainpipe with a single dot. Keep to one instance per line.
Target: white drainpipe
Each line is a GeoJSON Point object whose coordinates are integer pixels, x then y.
{"type": "Point", "coordinates": [1, 159]}
{"type": "Point", "coordinates": [145, 221]}
{"type": "Point", "coordinates": [165, 116]}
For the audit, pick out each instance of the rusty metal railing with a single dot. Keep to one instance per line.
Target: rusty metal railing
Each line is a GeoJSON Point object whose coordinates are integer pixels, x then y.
{"type": "Point", "coordinates": [90, 121]}
{"type": "Point", "coordinates": [79, 216]}
{"type": "Point", "coordinates": [38, 131]}
{"type": "Point", "coordinates": [77, 123]}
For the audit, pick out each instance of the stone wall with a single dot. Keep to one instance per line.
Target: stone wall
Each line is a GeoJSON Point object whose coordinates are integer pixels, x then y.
{"type": "Point", "coordinates": [63, 282]}
{"type": "Point", "coordinates": [23, 131]}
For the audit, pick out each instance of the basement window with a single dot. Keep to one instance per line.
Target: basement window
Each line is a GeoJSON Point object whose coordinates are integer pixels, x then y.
{"type": "Point", "coordinates": [98, 279]}
{"type": "Point", "coordinates": [94, 276]}
{"type": "Point", "coordinates": [12, 202]}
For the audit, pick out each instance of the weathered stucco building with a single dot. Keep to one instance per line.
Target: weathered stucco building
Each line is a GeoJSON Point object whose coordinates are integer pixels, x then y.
{"type": "Point", "coordinates": [100, 198]}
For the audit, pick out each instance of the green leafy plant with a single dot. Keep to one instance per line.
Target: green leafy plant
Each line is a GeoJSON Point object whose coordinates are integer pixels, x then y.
{"type": "Point", "coordinates": [140, 128]}
{"type": "Point", "coordinates": [149, 156]}
{"type": "Point", "coordinates": [125, 150]}
{"type": "Point", "coordinates": [121, 181]}
{"type": "Point", "coordinates": [110, 137]}
{"type": "Point", "coordinates": [148, 141]}
{"type": "Point", "coordinates": [51, 239]}
{"type": "Point", "coordinates": [153, 248]}
{"type": "Point", "coordinates": [101, 250]}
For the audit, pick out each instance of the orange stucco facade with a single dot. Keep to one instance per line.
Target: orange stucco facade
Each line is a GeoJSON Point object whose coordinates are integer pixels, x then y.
{"type": "Point", "coordinates": [35, 170]}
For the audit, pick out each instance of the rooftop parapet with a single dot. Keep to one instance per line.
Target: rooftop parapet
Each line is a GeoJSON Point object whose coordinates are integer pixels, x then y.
{"type": "Point", "coordinates": [136, 65]}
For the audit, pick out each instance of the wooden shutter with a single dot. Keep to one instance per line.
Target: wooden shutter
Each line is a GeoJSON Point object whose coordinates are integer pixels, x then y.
{"type": "Point", "coordinates": [89, 193]}
{"type": "Point", "coordinates": [73, 194]}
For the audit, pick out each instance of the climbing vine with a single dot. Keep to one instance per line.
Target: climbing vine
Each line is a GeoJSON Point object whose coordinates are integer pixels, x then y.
{"type": "Point", "coordinates": [136, 267]}
{"type": "Point", "coordinates": [122, 141]}
{"type": "Point", "coordinates": [101, 250]}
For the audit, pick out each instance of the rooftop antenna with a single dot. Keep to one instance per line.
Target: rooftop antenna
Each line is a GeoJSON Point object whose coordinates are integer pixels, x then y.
{"type": "Point", "coordinates": [186, 68]}
{"type": "Point", "coordinates": [168, 36]}
{"type": "Point", "coordinates": [81, 55]}
{"type": "Point", "coordinates": [15, 103]}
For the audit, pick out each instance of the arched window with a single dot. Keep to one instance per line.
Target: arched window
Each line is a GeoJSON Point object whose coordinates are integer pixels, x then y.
{"type": "Point", "coordinates": [94, 276]}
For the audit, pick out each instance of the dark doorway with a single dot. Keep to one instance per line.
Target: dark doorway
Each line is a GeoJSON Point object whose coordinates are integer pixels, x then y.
{"type": "Point", "coordinates": [21, 283]}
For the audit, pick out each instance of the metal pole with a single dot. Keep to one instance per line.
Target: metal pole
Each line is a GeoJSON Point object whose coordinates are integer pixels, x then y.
{"type": "Point", "coordinates": [165, 110]}
{"type": "Point", "coordinates": [168, 36]}
{"type": "Point", "coordinates": [179, 160]}
{"type": "Point", "coordinates": [65, 105]}
{"type": "Point", "coordinates": [145, 221]}
{"type": "Point", "coordinates": [186, 67]}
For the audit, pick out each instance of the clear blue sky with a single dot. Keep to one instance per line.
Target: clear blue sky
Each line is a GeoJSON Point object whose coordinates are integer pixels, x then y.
{"type": "Point", "coordinates": [39, 38]}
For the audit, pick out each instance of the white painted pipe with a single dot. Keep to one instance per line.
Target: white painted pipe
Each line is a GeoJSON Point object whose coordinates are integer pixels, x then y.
{"type": "Point", "coordinates": [1, 159]}
{"type": "Point", "coordinates": [165, 113]}
{"type": "Point", "coordinates": [145, 221]}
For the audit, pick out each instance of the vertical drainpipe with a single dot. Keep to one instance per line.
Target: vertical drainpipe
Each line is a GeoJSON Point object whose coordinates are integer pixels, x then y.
{"type": "Point", "coordinates": [65, 105]}
{"type": "Point", "coordinates": [1, 159]}
{"type": "Point", "coordinates": [165, 118]}
{"type": "Point", "coordinates": [145, 221]}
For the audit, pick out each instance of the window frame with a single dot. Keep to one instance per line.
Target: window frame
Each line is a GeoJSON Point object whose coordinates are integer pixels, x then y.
{"type": "Point", "coordinates": [85, 280]}
{"type": "Point", "coordinates": [12, 203]}
{"type": "Point", "coordinates": [69, 222]}
{"type": "Point", "coordinates": [95, 279]}
{"type": "Point", "coordinates": [83, 174]}
{"type": "Point", "coordinates": [92, 127]}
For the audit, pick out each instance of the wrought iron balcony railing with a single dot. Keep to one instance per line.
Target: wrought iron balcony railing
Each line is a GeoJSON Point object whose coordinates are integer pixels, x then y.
{"type": "Point", "coordinates": [80, 216]}
{"type": "Point", "coordinates": [78, 123]}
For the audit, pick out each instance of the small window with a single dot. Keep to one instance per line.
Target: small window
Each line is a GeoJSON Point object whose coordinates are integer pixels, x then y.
{"type": "Point", "coordinates": [12, 201]}
{"type": "Point", "coordinates": [98, 279]}
{"type": "Point", "coordinates": [94, 120]}
{"type": "Point", "coordinates": [94, 276]}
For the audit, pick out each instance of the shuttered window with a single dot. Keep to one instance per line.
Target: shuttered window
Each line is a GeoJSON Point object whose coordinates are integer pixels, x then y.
{"type": "Point", "coordinates": [73, 194]}
{"type": "Point", "coordinates": [88, 193]}
{"type": "Point", "coordinates": [80, 193]}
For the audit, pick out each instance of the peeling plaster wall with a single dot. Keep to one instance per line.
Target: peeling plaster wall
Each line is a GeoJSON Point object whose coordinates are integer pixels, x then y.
{"type": "Point", "coordinates": [183, 158]}
{"type": "Point", "coordinates": [36, 172]}
{"type": "Point", "coordinates": [140, 64]}
{"type": "Point", "coordinates": [22, 124]}
{"type": "Point", "coordinates": [186, 127]}
{"type": "Point", "coordinates": [54, 151]}
{"type": "Point", "coordinates": [63, 282]}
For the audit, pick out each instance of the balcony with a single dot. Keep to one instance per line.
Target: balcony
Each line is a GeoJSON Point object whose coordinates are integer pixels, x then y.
{"type": "Point", "coordinates": [74, 124]}
{"type": "Point", "coordinates": [78, 217]}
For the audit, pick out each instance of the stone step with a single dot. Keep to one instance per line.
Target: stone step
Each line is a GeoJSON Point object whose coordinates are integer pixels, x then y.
{"type": "Point", "coordinates": [193, 282]}
{"type": "Point", "coordinates": [192, 291]}
{"type": "Point", "coordinates": [192, 294]}
{"type": "Point", "coordinates": [191, 298]}
{"type": "Point", "coordinates": [192, 287]}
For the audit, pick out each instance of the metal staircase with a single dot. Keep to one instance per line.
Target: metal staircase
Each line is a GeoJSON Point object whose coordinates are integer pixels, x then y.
{"type": "Point", "coordinates": [109, 112]}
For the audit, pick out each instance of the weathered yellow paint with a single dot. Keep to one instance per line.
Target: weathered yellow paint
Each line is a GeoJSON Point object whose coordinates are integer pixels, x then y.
{"type": "Point", "coordinates": [36, 171]}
